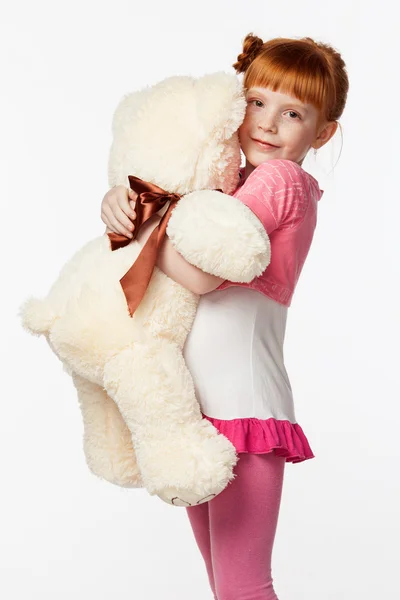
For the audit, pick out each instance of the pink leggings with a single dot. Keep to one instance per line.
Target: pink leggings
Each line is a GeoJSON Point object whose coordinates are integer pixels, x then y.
{"type": "Point", "coordinates": [235, 531]}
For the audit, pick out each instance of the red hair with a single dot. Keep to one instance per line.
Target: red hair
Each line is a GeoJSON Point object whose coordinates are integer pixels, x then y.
{"type": "Point", "coordinates": [312, 72]}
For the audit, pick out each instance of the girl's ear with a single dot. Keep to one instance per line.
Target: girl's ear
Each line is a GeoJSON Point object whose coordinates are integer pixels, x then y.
{"type": "Point", "coordinates": [328, 130]}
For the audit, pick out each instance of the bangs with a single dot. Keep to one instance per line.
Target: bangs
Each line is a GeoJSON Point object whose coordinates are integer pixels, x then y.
{"type": "Point", "coordinates": [294, 71]}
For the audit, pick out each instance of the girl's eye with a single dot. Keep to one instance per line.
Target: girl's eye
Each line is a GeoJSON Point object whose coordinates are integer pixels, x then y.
{"type": "Point", "coordinates": [257, 103]}
{"type": "Point", "coordinates": [291, 113]}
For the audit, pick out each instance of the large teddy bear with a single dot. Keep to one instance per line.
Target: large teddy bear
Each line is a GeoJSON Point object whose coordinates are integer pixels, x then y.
{"type": "Point", "coordinates": [143, 425]}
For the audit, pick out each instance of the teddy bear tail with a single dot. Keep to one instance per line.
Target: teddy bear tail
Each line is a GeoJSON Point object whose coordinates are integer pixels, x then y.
{"type": "Point", "coordinates": [36, 316]}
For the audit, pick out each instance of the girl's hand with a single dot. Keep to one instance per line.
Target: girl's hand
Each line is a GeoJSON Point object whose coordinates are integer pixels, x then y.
{"type": "Point", "coordinates": [118, 210]}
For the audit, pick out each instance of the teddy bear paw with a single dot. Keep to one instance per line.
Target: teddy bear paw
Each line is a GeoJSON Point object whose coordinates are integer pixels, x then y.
{"type": "Point", "coordinates": [177, 497]}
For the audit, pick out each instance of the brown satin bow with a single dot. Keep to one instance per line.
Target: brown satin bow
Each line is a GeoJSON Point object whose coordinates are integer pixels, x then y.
{"type": "Point", "coordinates": [150, 200]}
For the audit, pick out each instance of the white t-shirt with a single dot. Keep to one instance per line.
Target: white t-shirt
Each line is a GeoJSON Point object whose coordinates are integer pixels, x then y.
{"type": "Point", "coordinates": [234, 352]}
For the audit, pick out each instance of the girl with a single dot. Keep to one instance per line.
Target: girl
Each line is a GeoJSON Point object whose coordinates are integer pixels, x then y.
{"type": "Point", "coordinates": [296, 91]}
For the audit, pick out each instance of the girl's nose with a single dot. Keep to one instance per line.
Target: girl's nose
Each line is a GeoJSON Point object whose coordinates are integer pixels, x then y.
{"type": "Point", "coordinates": [268, 127]}
{"type": "Point", "coordinates": [267, 124]}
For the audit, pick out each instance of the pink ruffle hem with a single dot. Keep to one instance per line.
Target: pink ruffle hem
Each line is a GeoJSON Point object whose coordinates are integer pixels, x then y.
{"type": "Point", "coordinates": [258, 436]}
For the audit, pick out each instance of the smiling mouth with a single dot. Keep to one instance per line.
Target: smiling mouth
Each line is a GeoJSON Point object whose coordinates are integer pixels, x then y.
{"type": "Point", "coordinates": [265, 144]}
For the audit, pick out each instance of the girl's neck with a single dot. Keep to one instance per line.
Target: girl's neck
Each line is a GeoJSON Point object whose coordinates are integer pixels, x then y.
{"type": "Point", "coordinates": [249, 168]}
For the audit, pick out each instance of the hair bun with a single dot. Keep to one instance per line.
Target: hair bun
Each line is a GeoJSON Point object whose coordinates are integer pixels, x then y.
{"type": "Point", "coordinates": [252, 46]}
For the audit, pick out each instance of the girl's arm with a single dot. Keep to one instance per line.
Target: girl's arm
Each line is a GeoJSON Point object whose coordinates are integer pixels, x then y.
{"type": "Point", "coordinates": [117, 212]}
{"type": "Point", "coordinates": [178, 269]}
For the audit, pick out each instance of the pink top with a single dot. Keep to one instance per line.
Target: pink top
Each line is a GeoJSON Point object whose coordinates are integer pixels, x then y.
{"type": "Point", "coordinates": [285, 198]}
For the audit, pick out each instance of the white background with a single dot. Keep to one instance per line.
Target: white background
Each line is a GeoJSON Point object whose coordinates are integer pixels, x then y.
{"type": "Point", "coordinates": [64, 533]}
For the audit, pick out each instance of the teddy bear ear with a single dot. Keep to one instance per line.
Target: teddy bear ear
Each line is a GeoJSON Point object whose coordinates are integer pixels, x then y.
{"type": "Point", "coordinates": [124, 114]}
{"type": "Point", "coordinates": [221, 104]}
{"type": "Point", "coordinates": [128, 105]}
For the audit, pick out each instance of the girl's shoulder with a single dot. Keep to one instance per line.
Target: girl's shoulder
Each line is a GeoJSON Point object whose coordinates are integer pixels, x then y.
{"type": "Point", "coordinates": [283, 170]}
{"type": "Point", "coordinates": [280, 174]}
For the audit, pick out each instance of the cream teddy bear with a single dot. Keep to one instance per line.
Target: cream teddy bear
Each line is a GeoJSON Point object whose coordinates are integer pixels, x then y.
{"type": "Point", "coordinates": [142, 423]}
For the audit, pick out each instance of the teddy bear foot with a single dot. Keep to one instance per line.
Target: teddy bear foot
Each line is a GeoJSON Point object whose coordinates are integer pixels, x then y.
{"type": "Point", "coordinates": [186, 465]}
{"type": "Point", "coordinates": [177, 497]}
{"type": "Point", "coordinates": [119, 474]}
{"type": "Point", "coordinates": [107, 441]}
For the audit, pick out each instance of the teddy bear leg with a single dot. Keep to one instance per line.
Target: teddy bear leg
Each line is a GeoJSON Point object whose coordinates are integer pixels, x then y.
{"type": "Point", "coordinates": [107, 441]}
{"type": "Point", "coordinates": [182, 457]}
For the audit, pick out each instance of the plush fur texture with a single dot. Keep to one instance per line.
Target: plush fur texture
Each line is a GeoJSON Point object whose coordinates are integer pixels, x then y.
{"type": "Point", "coordinates": [142, 422]}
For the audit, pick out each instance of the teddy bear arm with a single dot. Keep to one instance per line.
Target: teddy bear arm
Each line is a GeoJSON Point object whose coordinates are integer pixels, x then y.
{"type": "Point", "coordinates": [220, 235]}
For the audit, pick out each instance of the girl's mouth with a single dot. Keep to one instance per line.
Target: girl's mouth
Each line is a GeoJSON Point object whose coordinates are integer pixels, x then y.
{"type": "Point", "coordinates": [264, 145]}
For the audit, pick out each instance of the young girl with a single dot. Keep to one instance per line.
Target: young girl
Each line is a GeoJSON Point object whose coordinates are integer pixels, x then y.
{"type": "Point", "coordinates": [296, 91]}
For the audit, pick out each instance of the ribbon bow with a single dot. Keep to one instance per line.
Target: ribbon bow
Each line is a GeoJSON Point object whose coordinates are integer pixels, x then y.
{"type": "Point", "coordinates": [151, 199]}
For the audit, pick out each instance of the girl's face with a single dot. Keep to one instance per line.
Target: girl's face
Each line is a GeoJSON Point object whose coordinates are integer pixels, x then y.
{"type": "Point", "coordinates": [276, 126]}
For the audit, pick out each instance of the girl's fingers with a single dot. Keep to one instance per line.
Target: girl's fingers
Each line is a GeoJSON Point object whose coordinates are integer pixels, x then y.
{"type": "Point", "coordinates": [113, 223]}
{"type": "Point", "coordinates": [118, 210]}
{"type": "Point", "coordinates": [124, 202]}
{"type": "Point", "coordinates": [105, 218]}
{"type": "Point", "coordinates": [123, 219]}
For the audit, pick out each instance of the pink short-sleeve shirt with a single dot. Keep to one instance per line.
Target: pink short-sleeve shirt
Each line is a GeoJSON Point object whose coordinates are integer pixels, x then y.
{"type": "Point", "coordinates": [285, 198]}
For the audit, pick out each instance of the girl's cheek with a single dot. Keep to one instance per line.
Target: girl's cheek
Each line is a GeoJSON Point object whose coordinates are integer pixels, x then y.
{"type": "Point", "coordinates": [252, 115]}
{"type": "Point", "coordinates": [249, 120]}
{"type": "Point", "coordinates": [243, 128]}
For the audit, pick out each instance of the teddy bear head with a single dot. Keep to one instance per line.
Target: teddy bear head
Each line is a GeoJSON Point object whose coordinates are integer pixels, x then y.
{"type": "Point", "coordinates": [180, 134]}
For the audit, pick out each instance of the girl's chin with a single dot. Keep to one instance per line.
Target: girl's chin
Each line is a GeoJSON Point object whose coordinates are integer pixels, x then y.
{"type": "Point", "coordinates": [259, 160]}
{"type": "Point", "coordinates": [260, 156]}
